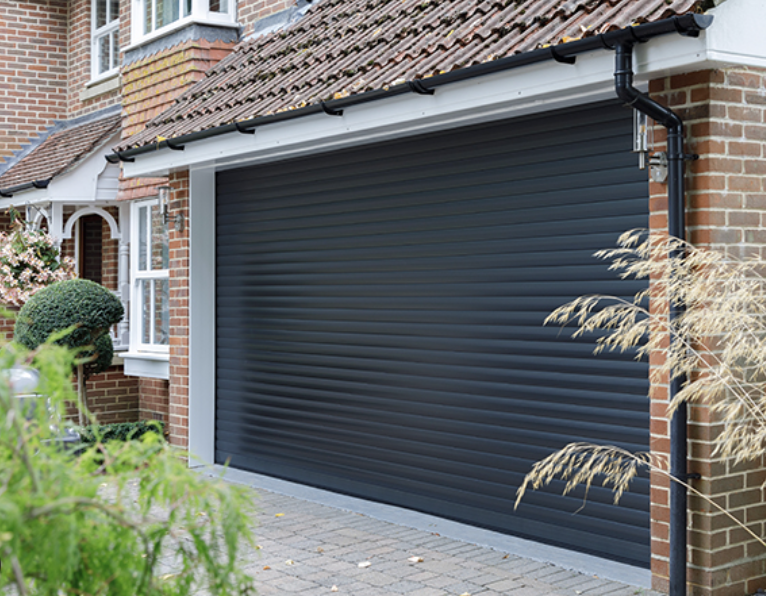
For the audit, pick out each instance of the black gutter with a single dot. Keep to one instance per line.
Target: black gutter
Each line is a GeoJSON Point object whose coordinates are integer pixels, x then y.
{"type": "Point", "coordinates": [623, 82]}
{"type": "Point", "coordinates": [687, 24]}
{"type": "Point", "coordinates": [7, 193]}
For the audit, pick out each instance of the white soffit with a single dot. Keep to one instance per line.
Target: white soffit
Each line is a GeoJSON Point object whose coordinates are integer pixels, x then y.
{"type": "Point", "coordinates": [732, 39]}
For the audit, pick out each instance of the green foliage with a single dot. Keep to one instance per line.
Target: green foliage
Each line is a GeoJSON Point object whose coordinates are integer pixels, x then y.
{"type": "Point", "coordinates": [121, 519]}
{"type": "Point", "coordinates": [121, 431]}
{"type": "Point", "coordinates": [83, 307]}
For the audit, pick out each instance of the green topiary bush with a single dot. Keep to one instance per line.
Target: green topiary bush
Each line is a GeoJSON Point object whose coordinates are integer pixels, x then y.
{"type": "Point", "coordinates": [86, 307]}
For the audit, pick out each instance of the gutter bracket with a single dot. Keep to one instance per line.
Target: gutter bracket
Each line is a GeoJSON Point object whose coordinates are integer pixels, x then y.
{"type": "Point", "coordinates": [243, 130]}
{"type": "Point", "coordinates": [330, 111]}
{"type": "Point", "coordinates": [560, 58]}
{"type": "Point", "coordinates": [417, 86]}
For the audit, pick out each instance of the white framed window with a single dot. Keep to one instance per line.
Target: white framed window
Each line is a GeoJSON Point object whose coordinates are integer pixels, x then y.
{"type": "Point", "coordinates": [152, 18]}
{"type": "Point", "coordinates": [150, 283]}
{"type": "Point", "coordinates": [105, 38]}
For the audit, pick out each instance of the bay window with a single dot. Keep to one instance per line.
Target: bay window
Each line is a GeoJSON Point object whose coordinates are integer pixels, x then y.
{"type": "Point", "coordinates": [154, 17]}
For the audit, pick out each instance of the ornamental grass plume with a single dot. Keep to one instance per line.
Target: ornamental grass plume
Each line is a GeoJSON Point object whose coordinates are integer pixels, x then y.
{"type": "Point", "coordinates": [718, 345]}
{"type": "Point", "coordinates": [29, 261]}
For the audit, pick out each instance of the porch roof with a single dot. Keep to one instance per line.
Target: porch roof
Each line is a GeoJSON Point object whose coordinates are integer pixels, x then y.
{"type": "Point", "coordinates": [66, 146]}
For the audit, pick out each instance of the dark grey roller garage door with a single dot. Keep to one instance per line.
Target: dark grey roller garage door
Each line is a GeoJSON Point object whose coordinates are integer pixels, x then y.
{"type": "Point", "coordinates": [379, 322]}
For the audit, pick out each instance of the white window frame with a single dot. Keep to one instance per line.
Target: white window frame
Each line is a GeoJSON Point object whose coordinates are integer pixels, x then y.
{"type": "Point", "coordinates": [200, 13]}
{"type": "Point", "coordinates": [137, 344]}
{"type": "Point", "coordinates": [97, 34]}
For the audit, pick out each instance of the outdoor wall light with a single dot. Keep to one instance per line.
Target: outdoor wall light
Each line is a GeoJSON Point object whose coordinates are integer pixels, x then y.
{"type": "Point", "coordinates": [179, 221]}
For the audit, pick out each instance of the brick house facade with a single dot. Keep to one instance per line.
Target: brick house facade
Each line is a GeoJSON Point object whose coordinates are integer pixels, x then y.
{"type": "Point", "coordinates": [725, 115]}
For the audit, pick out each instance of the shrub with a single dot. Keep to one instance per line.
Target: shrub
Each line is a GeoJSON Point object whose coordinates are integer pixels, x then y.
{"type": "Point", "coordinates": [122, 518]}
{"type": "Point", "coordinates": [85, 308]}
{"type": "Point", "coordinates": [121, 431]}
{"type": "Point", "coordinates": [29, 261]}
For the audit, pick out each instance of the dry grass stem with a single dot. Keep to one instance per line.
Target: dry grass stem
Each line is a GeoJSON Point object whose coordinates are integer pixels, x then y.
{"type": "Point", "coordinates": [715, 343]}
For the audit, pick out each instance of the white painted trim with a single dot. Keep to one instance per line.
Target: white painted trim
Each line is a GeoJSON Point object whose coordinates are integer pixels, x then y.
{"type": "Point", "coordinates": [202, 314]}
{"type": "Point", "coordinates": [568, 559]}
{"type": "Point", "coordinates": [140, 364]}
{"type": "Point", "coordinates": [114, 229]}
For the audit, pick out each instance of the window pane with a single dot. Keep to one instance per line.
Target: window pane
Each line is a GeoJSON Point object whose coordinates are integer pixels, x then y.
{"type": "Point", "coordinates": [187, 7]}
{"type": "Point", "coordinates": [161, 312]}
{"type": "Point", "coordinates": [115, 49]}
{"type": "Point", "coordinates": [148, 16]}
{"type": "Point", "coordinates": [103, 53]}
{"type": "Point", "coordinates": [142, 224]}
{"type": "Point", "coordinates": [114, 9]}
{"type": "Point", "coordinates": [160, 254]}
{"type": "Point", "coordinates": [167, 12]}
{"type": "Point", "coordinates": [100, 13]}
{"type": "Point", "coordinates": [219, 5]}
{"type": "Point", "coordinates": [145, 291]}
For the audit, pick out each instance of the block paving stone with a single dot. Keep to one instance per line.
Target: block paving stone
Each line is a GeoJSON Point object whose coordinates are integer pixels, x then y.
{"type": "Point", "coordinates": [325, 546]}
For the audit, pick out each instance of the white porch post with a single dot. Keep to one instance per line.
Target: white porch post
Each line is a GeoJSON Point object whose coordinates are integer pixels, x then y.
{"type": "Point", "coordinates": [123, 274]}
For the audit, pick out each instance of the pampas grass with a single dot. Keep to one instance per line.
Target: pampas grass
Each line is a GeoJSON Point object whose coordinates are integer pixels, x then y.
{"type": "Point", "coordinates": [717, 346]}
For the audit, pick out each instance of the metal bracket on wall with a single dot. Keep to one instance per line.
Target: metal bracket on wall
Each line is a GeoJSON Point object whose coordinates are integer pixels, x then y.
{"type": "Point", "coordinates": [658, 167]}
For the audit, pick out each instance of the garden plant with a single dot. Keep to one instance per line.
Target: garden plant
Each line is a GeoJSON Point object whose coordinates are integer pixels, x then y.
{"type": "Point", "coordinates": [84, 308]}
{"type": "Point", "coordinates": [718, 348]}
{"type": "Point", "coordinates": [121, 518]}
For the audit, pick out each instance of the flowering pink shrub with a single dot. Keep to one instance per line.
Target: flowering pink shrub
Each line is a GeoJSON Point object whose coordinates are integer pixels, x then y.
{"type": "Point", "coordinates": [29, 261]}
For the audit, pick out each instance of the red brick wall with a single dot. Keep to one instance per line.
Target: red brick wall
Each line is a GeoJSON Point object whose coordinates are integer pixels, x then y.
{"type": "Point", "coordinates": [153, 402]}
{"type": "Point", "coordinates": [725, 116]}
{"type": "Point", "coordinates": [33, 67]}
{"type": "Point", "coordinates": [113, 397]}
{"type": "Point", "coordinates": [179, 314]}
{"type": "Point", "coordinates": [249, 11]}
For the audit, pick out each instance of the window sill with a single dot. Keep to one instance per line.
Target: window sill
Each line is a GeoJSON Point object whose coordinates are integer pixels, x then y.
{"type": "Point", "coordinates": [143, 40]}
{"type": "Point", "coordinates": [146, 364]}
{"type": "Point", "coordinates": [99, 87]}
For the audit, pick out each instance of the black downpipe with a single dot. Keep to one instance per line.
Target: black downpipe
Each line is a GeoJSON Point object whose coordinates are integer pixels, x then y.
{"type": "Point", "coordinates": [623, 78]}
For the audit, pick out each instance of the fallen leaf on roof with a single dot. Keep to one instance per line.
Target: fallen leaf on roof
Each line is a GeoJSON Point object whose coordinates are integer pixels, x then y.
{"type": "Point", "coordinates": [364, 564]}
{"type": "Point", "coordinates": [289, 562]}
{"type": "Point", "coordinates": [334, 589]}
{"type": "Point", "coordinates": [466, 594]}
{"type": "Point", "coordinates": [279, 515]}
{"type": "Point", "coordinates": [415, 559]}
{"type": "Point", "coordinates": [320, 549]}
{"type": "Point", "coordinates": [506, 556]}
{"type": "Point", "coordinates": [266, 567]}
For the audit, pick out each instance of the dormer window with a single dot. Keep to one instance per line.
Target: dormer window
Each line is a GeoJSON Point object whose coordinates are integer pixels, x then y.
{"type": "Point", "coordinates": [105, 27]}
{"type": "Point", "coordinates": [152, 18]}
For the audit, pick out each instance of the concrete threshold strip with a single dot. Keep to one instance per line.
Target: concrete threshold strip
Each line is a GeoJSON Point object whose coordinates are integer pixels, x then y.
{"type": "Point", "coordinates": [573, 566]}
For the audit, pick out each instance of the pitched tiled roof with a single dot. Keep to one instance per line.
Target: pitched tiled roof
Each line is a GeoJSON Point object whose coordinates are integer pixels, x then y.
{"type": "Point", "coordinates": [61, 152]}
{"type": "Point", "coordinates": [349, 47]}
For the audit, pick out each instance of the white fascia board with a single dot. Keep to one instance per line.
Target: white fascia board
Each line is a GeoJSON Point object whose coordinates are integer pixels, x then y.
{"type": "Point", "coordinates": [733, 39]}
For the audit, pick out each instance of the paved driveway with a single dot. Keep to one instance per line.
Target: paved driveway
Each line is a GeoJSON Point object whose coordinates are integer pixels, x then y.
{"type": "Point", "coordinates": [312, 549]}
